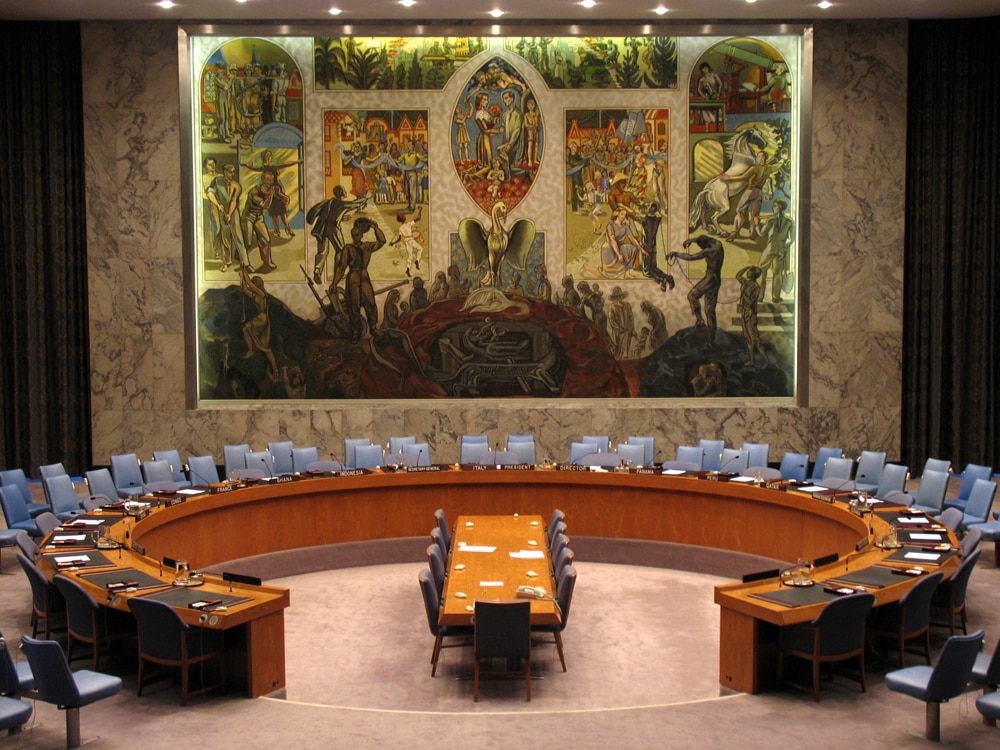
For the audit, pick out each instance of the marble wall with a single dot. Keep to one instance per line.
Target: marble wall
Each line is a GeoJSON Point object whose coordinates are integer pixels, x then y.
{"type": "Point", "coordinates": [852, 394]}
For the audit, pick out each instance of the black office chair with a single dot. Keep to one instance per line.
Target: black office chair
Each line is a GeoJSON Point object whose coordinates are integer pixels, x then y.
{"type": "Point", "coordinates": [564, 598]}
{"type": "Point", "coordinates": [70, 691]}
{"type": "Point", "coordinates": [948, 679]}
{"type": "Point", "coordinates": [87, 622]}
{"type": "Point", "coordinates": [502, 631]}
{"type": "Point", "coordinates": [432, 605]}
{"type": "Point", "coordinates": [437, 537]}
{"type": "Point", "coordinates": [442, 522]}
{"type": "Point", "coordinates": [909, 617]}
{"type": "Point", "coordinates": [165, 639]}
{"type": "Point", "coordinates": [837, 634]}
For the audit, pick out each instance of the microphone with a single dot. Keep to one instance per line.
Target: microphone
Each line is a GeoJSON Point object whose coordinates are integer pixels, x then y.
{"type": "Point", "coordinates": [333, 456]}
{"type": "Point", "coordinates": [264, 463]}
{"type": "Point", "coordinates": [192, 473]}
{"type": "Point", "coordinates": [737, 457]}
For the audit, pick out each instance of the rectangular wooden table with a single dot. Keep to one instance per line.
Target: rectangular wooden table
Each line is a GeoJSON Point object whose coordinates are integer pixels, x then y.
{"type": "Point", "coordinates": [481, 566]}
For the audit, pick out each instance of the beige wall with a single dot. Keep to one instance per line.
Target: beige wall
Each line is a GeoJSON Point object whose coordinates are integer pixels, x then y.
{"type": "Point", "coordinates": [136, 281]}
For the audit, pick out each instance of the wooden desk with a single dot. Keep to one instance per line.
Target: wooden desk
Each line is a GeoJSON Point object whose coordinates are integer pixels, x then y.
{"type": "Point", "coordinates": [506, 534]}
{"type": "Point", "coordinates": [255, 629]}
{"type": "Point", "coordinates": [208, 530]}
{"type": "Point", "coordinates": [748, 634]}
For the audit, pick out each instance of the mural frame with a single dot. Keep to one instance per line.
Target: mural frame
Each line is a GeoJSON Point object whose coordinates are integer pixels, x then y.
{"type": "Point", "coordinates": [444, 236]}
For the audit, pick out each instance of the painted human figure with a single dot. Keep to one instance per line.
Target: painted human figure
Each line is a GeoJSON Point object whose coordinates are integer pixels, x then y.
{"type": "Point", "coordinates": [621, 324]}
{"type": "Point", "coordinates": [748, 209]}
{"type": "Point", "coordinates": [714, 255]}
{"type": "Point", "coordinates": [278, 210]}
{"type": "Point", "coordinates": [257, 206]}
{"type": "Point", "coordinates": [462, 115]}
{"type": "Point", "coordinates": [257, 330]}
{"type": "Point", "coordinates": [211, 217]}
{"type": "Point", "coordinates": [223, 102]}
{"type": "Point", "coordinates": [779, 231]}
{"type": "Point", "coordinates": [359, 294]}
{"type": "Point", "coordinates": [512, 128]}
{"type": "Point", "coordinates": [650, 230]}
{"type": "Point", "coordinates": [709, 86]}
{"type": "Point", "coordinates": [750, 295]}
{"type": "Point", "coordinates": [326, 218]}
{"type": "Point", "coordinates": [224, 193]}
{"type": "Point", "coordinates": [532, 123]}
{"type": "Point", "coordinates": [409, 236]}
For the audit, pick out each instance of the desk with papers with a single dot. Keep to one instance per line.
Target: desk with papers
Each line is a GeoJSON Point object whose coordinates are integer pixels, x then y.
{"type": "Point", "coordinates": [491, 556]}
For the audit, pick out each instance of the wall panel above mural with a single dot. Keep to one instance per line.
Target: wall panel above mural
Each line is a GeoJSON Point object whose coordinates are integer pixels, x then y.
{"type": "Point", "coordinates": [488, 217]}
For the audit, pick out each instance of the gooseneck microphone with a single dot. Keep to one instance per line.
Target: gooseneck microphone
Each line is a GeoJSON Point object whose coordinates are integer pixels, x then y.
{"type": "Point", "coordinates": [194, 474]}
{"type": "Point", "coordinates": [264, 463]}
{"type": "Point", "coordinates": [419, 454]}
{"type": "Point", "coordinates": [737, 457]}
{"type": "Point", "coordinates": [333, 457]}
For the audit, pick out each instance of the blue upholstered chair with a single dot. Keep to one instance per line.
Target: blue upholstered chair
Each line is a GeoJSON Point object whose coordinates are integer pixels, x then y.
{"type": "Point", "coordinates": [869, 471]}
{"type": "Point", "coordinates": [14, 713]}
{"type": "Point", "coordinates": [935, 685]}
{"type": "Point", "coordinates": [63, 497]}
{"type": "Point", "coordinates": [948, 600]}
{"type": "Point", "coordinates": [577, 450]}
{"type": "Point", "coordinates": [601, 443]}
{"type": "Point", "coordinates": [733, 460]}
{"type": "Point", "coordinates": [127, 474]}
{"type": "Point", "coordinates": [951, 517]}
{"type": "Point", "coordinates": [50, 470]}
{"type": "Point", "coordinates": [471, 446]}
{"type": "Point", "coordinates": [566, 582]}
{"type": "Point", "coordinates": [234, 456]}
{"type": "Point", "coordinates": [837, 634]}
{"type": "Point", "coordinates": [350, 445]}
{"type": "Point", "coordinates": [825, 453]}
{"type": "Point", "coordinates": [432, 605]}
{"type": "Point", "coordinates": [979, 505]}
{"type": "Point", "coordinates": [689, 454]}
{"type": "Point", "coordinates": [396, 443]}
{"type": "Point", "coordinates": [502, 631]}
{"type": "Point", "coordinates": [421, 453]}
{"type": "Point", "coordinates": [794, 466]}
{"type": "Point", "coordinates": [324, 466]}
{"type": "Point", "coordinates": [523, 446]}
{"type": "Point", "coordinates": [173, 459]}
{"type": "Point", "coordinates": [711, 453]}
{"type": "Point", "coordinates": [302, 457]}
{"type": "Point", "coordinates": [165, 639]}
{"type": "Point", "coordinates": [19, 480]}
{"type": "Point", "coordinates": [15, 676]}
{"type": "Point", "coordinates": [70, 691]}
{"type": "Point", "coordinates": [436, 564]}
{"type": "Point", "coordinates": [633, 455]}
{"type": "Point", "coordinates": [936, 464]}
{"type": "Point", "coordinates": [648, 444]}
{"type": "Point", "coordinates": [89, 623]}
{"type": "Point", "coordinates": [47, 606]}
{"type": "Point", "coordinates": [909, 617]}
{"type": "Point", "coordinates": [986, 672]}
{"type": "Point", "coordinates": [893, 479]}
{"type": "Point", "coordinates": [368, 456]}
{"type": "Point", "coordinates": [202, 470]}
{"type": "Point", "coordinates": [101, 485]}
{"type": "Point", "coordinates": [758, 454]}
{"type": "Point", "coordinates": [262, 460]}
{"type": "Point", "coordinates": [929, 497]}
{"type": "Point", "coordinates": [969, 476]}
{"type": "Point", "coordinates": [441, 520]}
{"type": "Point", "coordinates": [15, 511]}
{"type": "Point", "coordinates": [282, 459]}
{"type": "Point", "coordinates": [157, 471]}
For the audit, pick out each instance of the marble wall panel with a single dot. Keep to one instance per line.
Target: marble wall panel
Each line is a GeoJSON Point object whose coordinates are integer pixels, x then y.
{"type": "Point", "coordinates": [132, 143]}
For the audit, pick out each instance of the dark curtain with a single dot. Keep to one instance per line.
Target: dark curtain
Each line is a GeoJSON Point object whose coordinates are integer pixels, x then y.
{"type": "Point", "coordinates": [951, 359]}
{"type": "Point", "coordinates": [45, 375]}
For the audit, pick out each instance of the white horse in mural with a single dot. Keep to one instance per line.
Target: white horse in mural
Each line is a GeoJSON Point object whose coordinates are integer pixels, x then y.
{"type": "Point", "coordinates": [713, 200]}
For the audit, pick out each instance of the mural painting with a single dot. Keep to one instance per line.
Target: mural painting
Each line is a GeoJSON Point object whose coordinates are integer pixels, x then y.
{"type": "Point", "coordinates": [646, 251]}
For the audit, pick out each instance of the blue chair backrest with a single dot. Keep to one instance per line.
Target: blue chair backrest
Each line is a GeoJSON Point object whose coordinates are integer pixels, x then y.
{"type": "Point", "coordinates": [689, 454]}
{"type": "Point", "coordinates": [525, 451]}
{"type": "Point", "coordinates": [350, 444]}
{"type": "Point", "coordinates": [893, 479]}
{"type": "Point", "coordinates": [578, 450]}
{"type": "Point", "coordinates": [870, 464]}
{"type": "Point", "coordinates": [822, 455]}
{"type": "Point", "coordinates": [302, 457]}
{"type": "Point", "coordinates": [18, 479]}
{"type": "Point", "coordinates": [733, 460]}
{"type": "Point", "coordinates": [157, 471]}
{"type": "Point", "coordinates": [757, 454]}
{"type": "Point", "coordinates": [422, 451]}
{"type": "Point", "coordinates": [62, 495]}
{"type": "Point", "coordinates": [933, 485]}
{"type": "Point", "coordinates": [99, 482]}
{"type": "Point", "coordinates": [14, 508]}
{"type": "Point", "coordinates": [603, 442]}
{"type": "Point", "coordinates": [262, 460]}
{"type": "Point", "coordinates": [950, 677]}
{"type": "Point", "coordinates": [838, 468]}
{"type": "Point", "coordinates": [711, 453]}
{"type": "Point", "coordinates": [936, 464]}
{"type": "Point", "coordinates": [396, 443]}
{"type": "Point", "coordinates": [981, 499]}
{"type": "Point", "coordinates": [235, 457]}
{"type": "Point", "coordinates": [53, 678]}
{"type": "Point", "coordinates": [794, 466]}
{"type": "Point", "coordinates": [368, 456]}
{"type": "Point", "coordinates": [635, 455]}
{"type": "Point", "coordinates": [281, 454]}
{"type": "Point", "coordinates": [173, 459]}
{"type": "Point", "coordinates": [126, 472]}
{"type": "Point", "coordinates": [970, 475]}
{"type": "Point", "coordinates": [203, 469]}
{"type": "Point", "coordinates": [649, 445]}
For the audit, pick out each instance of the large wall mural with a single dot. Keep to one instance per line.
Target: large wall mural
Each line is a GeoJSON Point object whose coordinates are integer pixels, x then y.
{"type": "Point", "coordinates": [475, 217]}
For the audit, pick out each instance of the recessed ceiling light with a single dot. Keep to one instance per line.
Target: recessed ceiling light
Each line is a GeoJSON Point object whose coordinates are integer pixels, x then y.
{"type": "Point", "coordinates": [407, 3]}
{"type": "Point", "coordinates": [496, 13]}
{"type": "Point", "coordinates": [165, 4]}
{"type": "Point", "coordinates": [588, 3]}
{"type": "Point", "coordinates": [335, 11]}
{"type": "Point", "coordinates": [241, 1]}
{"type": "Point", "coordinates": [751, 1]}
{"type": "Point", "coordinates": [825, 4]}
{"type": "Point", "coordinates": [660, 10]}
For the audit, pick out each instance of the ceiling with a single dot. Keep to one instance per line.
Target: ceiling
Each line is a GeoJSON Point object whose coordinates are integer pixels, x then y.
{"type": "Point", "coordinates": [475, 11]}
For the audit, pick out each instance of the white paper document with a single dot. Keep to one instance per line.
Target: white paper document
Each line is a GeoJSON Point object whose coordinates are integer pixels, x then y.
{"type": "Point", "coordinates": [926, 537]}
{"type": "Point", "coordinates": [927, 556]}
{"type": "Point", "coordinates": [814, 488]}
{"type": "Point", "coordinates": [674, 471]}
{"type": "Point", "coordinates": [912, 519]}
{"type": "Point", "coordinates": [72, 560]}
{"type": "Point", "coordinates": [476, 548]}
{"type": "Point", "coordinates": [528, 554]}
{"type": "Point", "coordinates": [486, 584]}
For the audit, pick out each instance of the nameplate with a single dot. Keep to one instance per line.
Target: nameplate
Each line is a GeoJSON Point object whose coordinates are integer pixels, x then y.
{"type": "Point", "coordinates": [478, 467]}
{"type": "Point", "coordinates": [644, 470]}
{"type": "Point", "coordinates": [175, 501]}
{"type": "Point", "coordinates": [780, 485]}
{"type": "Point", "coordinates": [284, 479]}
{"type": "Point", "coordinates": [571, 467]}
{"type": "Point", "coordinates": [221, 487]}
{"type": "Point", "coordinates": [716, 476]}
{"type": "Point", "coordinates": [138, 548]}
{"type": "Point", "coordinates": [431, 467]}
{"type": "Point", "coordinates": [516, 467]}
{"type": "Point", "coordinates": [351, 473]}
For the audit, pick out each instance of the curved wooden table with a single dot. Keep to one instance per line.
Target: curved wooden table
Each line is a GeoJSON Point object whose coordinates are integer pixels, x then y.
{"type": "Point", "coordinates": [208, 530]}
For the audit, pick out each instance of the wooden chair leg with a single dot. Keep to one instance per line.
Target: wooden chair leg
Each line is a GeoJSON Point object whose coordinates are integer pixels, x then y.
{"type": "Point", "coordinates": [527, 677]}
{"type": "Point", "coordinates": [475, 683]}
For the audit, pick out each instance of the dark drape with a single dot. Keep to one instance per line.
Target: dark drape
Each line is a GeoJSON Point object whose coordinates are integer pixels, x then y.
{"type": "Point", "coordinates": [951, 358]}
{"type": "Point", "coordinates": [45, 374]}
